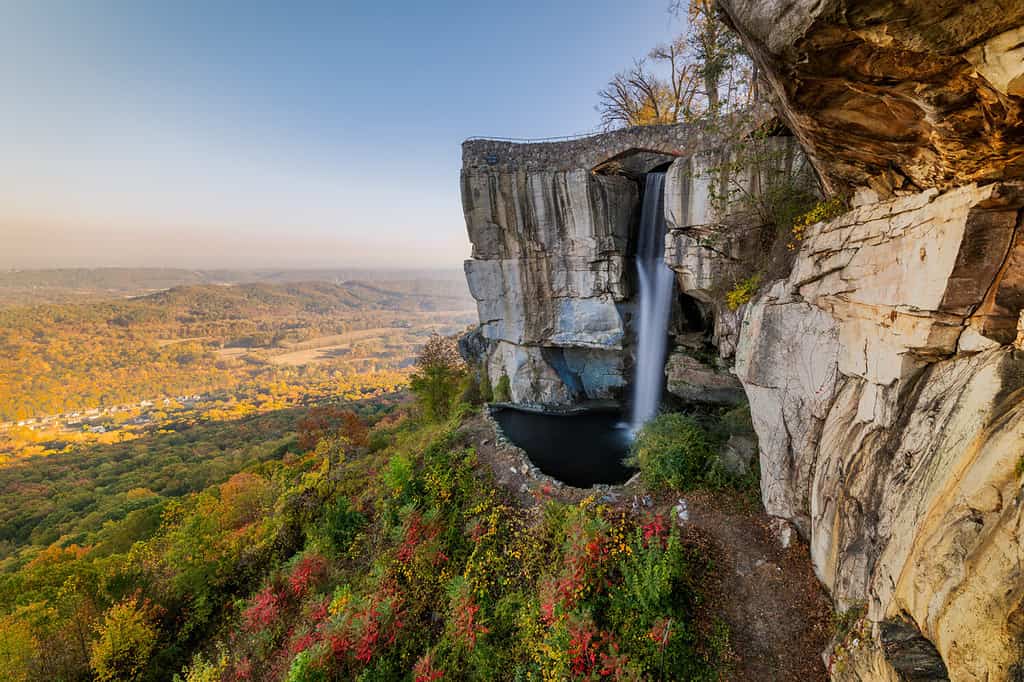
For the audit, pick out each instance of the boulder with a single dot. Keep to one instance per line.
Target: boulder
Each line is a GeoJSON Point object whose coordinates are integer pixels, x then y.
{"type": "Point", "coordinates": [736, 458]}
{"type": "Point", "coordinates": [694, 381]}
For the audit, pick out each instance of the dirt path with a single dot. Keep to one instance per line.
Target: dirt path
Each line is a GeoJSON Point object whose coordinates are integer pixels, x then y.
{"type": "Point", "coordinates": [777, 612]}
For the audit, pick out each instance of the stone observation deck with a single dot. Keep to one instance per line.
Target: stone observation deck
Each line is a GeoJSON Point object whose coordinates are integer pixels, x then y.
{"type": "Point", "coordinates": [580, 152]}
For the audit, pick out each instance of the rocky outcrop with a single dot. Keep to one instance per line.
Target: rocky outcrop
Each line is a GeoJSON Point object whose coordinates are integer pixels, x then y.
{"type": "Point", "coordinates": [692, 380]}
{"type": "Point", "coordinates": [549, 276]}
{"type": "Point", "coordinates": [898, 96]}
{"type": "Point", "coordinates": [884, 373]}
{"type": "Point", "coordinates": [887, 398]}
{"type": "Point", "coordinates": [552, 226]}
{"type": "Point", "coordinates": [714, 240]}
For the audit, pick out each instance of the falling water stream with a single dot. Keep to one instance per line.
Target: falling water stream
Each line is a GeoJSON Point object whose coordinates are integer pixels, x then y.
{"type": "Point", "coordinates": [655, 295]}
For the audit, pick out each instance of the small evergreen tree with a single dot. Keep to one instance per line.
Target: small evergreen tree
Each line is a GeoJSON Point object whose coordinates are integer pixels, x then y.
{"type": "Point", "coordinates": [486, 390]}
{"type": "Point", "coordinates": [503, 389]}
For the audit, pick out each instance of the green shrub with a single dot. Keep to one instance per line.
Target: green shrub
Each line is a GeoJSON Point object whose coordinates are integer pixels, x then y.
{"type": "Point", "coordinates": [470, 394]}
{"type": "Point", "coordinates": [438, 375]}
{"type": "Point", "coordinates": [486, 390]}
{"type": "Point", "coordinates": [738, 420]}
{"type": "Point", "coordinates": [399, 473]}
{"type": "Point", "coordinates": [305, 669]}
{"type": "Point", "coordinates": [743, 291]}
{"type": "Point", "coordinates": [340, 525]}
{"type": "Point", "coordinates": [503, 390]}
{"type": "Point", "coordinates": [673, 451]}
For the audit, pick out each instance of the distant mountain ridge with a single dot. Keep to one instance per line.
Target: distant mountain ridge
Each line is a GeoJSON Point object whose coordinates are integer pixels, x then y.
{"type": "Point", "coordinates": [29, 287]}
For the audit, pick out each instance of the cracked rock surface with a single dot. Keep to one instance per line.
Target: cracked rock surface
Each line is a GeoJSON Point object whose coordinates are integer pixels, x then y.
{"type": "Point", "coordinates": [887, 439]}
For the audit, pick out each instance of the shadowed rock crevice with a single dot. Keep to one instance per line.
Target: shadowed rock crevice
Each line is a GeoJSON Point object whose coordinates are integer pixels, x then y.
{"type": "Point", "coordinates": [911, 655]}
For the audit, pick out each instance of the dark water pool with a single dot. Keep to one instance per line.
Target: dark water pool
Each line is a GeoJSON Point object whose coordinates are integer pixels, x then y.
{"type": "Point", "coordinates": [579, 449]}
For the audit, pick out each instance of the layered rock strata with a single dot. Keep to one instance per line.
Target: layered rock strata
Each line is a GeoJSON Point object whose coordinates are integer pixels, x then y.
{"type": "Point", "coordinates": [552, 268]}
{"type": "Point", "coordinates": [549, 275]}
{"type": "Point", "coordinates": [887, 398]}
{"type": "Point", "coordinates": [899, 96]}
{"type": "Point", "coordinates": [884, 373]}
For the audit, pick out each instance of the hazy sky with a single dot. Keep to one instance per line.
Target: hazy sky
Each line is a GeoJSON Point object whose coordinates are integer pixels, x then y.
{"type": "Point", "coordinates": [286, 134]}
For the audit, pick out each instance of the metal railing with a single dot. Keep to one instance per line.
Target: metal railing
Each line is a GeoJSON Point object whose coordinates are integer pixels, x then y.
{"type": "Point", "coordinates": [537, 140]}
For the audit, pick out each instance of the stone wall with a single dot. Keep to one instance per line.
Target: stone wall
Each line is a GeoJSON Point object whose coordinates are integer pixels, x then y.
{"type": "Point", "coordinates": [583, 153]}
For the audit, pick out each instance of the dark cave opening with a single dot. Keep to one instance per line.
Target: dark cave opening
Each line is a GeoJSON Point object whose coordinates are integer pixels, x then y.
{"type": "Point", "coordinates": [692, 318]}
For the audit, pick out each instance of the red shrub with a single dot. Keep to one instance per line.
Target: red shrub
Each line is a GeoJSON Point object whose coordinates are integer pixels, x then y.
{"type": "Point", "coordinates": [369, 629]}
{"type": "Point", "coordinates": [243, 669]}
{"type": "Point", "coordinates": [302, 642]}
{"type": "Point", "coordinates": [424, 670]}
{"type": "Point", "coordinates": [264, 610]}
{"type": "Point", "coordinates": [466, 623]}
{"type": "Point", "coordinates": [661, 632]}
{"type": "Point", "coordinates": [616, 665]}
{"type": "Point", "coordinates": [657, 528]}
{"type": "Point", "coordinates": [584, 646]}
{"type": "Point", "coordinates": [310, 570]}
{"type": "Point", "coordinates": [416, 533]}
{"type": "Point", "coordinates": [319, 612]}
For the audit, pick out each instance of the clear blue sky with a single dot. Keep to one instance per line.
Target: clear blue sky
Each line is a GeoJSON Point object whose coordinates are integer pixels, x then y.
{"type": "Point", "coordinates": [300, 134]}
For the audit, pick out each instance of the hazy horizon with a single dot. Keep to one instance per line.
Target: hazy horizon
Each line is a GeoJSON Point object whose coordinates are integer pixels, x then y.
{"type": "Point", "coordinates": [207, 135]}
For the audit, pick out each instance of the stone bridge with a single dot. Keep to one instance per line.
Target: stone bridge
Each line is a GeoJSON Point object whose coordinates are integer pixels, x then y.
{"type": "Point", "coordinates": [588, 152]}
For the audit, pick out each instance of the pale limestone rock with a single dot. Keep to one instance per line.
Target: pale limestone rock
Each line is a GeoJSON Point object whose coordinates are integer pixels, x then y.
{"type": "Point", "coordinates": [549, 277]}
{"type": "Point", "coordinates": [692, 380]}
{"type": "Point", "coordinates": [914, 520]}
{"type": "Point", "coordinates": [971, 341]}
{"type": "Point", "coordinates": [787, 360]}
{"type": "Point", "coordinates": [903, 276]}
{"type": "Point", "coordinates": [890, 419]}
{"type": "Point", "coordinates": [531, 379]}
{"type": "Point", "coordinates": [1001, 61]}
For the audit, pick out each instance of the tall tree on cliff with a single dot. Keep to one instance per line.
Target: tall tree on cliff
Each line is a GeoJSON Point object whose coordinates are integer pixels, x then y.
{"type": "Point", "coordinates": [708, 75]}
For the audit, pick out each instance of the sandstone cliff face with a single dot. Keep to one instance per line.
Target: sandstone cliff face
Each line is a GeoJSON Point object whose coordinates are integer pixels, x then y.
{"type": "Point", "coordinates": [901, 96]}
{"type": "Point", "coordinates": [884, 373]}
{"type": "Point", "coordinates": [887, 398]}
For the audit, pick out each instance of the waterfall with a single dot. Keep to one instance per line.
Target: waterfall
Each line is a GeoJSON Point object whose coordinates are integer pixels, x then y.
{"type": "Point", "coordinates": [656, 282]}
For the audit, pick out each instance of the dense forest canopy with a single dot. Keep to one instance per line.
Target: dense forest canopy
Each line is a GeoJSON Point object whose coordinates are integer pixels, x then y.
{"type": "Point", "coordinates": [60, 358]}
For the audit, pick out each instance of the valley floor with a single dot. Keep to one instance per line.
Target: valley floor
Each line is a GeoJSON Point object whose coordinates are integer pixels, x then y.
{"type": "Point", "coordinates": [779, 617]}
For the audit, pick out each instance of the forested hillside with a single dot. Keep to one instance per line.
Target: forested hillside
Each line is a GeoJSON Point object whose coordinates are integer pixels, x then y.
{"type": "Point", "coordinates": [19, 288]}
{"type": "Point", "coordinates": [373, 547]}
{"type": "Point", "coordinates": [110, 370]}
